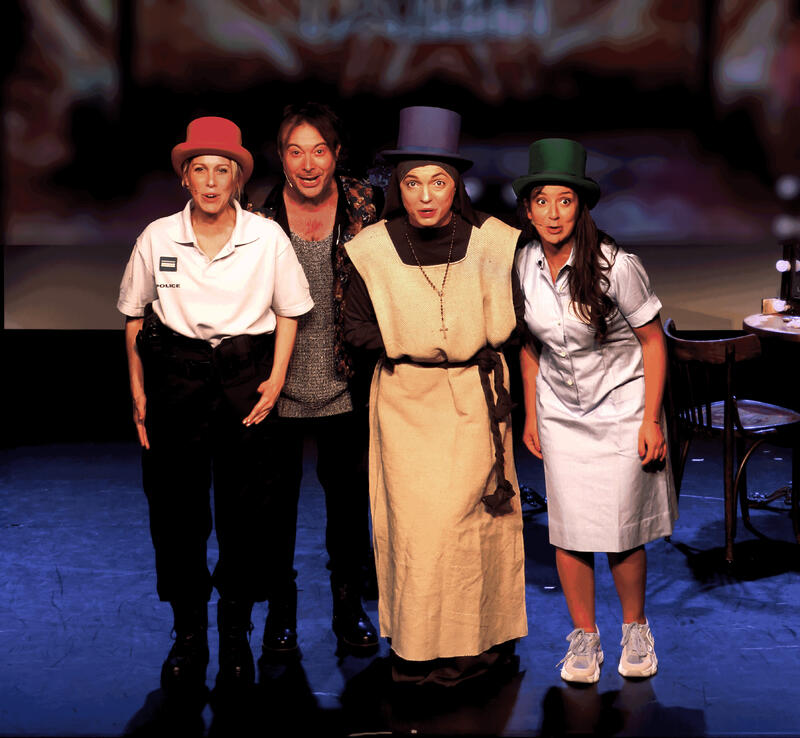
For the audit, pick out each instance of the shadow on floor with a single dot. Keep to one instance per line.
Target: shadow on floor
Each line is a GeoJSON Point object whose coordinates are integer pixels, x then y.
{"type": "Point", "coordinates": [631, 710]}
{"type": "Point", "coordinates": [482, 707]}
{"type": "Point", "coordinates": [283, 704]}
{"type": "Point", "coordinates": [754, 559]}
{"type": "Point", "coordinates": [160, 716]}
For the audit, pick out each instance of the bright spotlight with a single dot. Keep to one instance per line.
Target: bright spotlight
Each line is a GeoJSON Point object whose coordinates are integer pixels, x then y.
{"type": "Point", "coordinates": [788, 187]}
{"type": "Point", "coordinates": [785, 226]}
{"type": "Point", "coordinates": [474, 188]}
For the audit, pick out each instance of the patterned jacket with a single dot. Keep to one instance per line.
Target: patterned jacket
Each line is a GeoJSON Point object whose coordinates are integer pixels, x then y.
{"type": "Point", "coordinates": [359, 205]}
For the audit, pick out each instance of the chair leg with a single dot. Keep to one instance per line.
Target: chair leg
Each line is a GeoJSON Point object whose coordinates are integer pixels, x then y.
{"type": "Point", "coordinates": [740, 486]}
{"type": "Point", "coordinates": [680, 466]}
{"type": "Point", "coordinates": [795, 513]}
{"type": "Point", "coordinates": [740, 479]}
{"type": "Point", "coordinates": [678, 459]}
{"type": "Point", "coordinates": [730, 501]}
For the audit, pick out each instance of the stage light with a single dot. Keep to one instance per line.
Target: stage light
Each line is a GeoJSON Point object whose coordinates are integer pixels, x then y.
{"type": "Point", "coordinates": [784, 265]}
{"type": "Point", "coordinates": [788, 187]}
{"type": "Point", "coordinates": [786, 226]}
{"type": "Point", "coordinates": [474, 187]}
{"type": "Point", "coordinates": [509, 197]}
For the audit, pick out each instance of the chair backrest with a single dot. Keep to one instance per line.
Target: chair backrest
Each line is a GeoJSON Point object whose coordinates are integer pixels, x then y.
{"type": "Point", "coordinates": [701, 373]}
{"type": "Point", "coordinates": [735, 348]}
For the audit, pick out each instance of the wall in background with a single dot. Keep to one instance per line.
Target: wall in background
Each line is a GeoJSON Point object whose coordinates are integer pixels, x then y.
{"type": "Point", "coordinates": [689, 111]}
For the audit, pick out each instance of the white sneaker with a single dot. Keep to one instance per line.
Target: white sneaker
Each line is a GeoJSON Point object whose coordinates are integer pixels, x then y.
{"type": "Point", "coordinates": [638, 657]}
{"type": "Point", "coordinates": [583, 659]}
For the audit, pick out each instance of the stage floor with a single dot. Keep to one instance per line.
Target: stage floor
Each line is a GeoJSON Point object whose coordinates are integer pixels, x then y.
{"type": "Point", "coordinates": [83, 635]}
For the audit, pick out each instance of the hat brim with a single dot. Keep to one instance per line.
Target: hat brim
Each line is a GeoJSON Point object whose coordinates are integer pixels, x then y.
{"type": "Point", "coordinates": [397, 155]}
{"type": "Point", "coordinates": [239, 154]}
{"type": "Point", "coordinates": [586, 187]}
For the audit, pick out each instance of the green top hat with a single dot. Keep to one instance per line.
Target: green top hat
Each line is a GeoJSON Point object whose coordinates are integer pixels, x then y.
{"type": "Point", "coordinates": [558, 161]}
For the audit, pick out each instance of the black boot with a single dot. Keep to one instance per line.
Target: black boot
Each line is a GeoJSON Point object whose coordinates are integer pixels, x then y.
{"type": "Point", "coordinates": [350, 623]}
{"type": "Point", "coordinates": [236, 668]}
{"type": "Point", "coordinates": [185, 667]}
{"type": "Point", "coordinates": [280, 630]}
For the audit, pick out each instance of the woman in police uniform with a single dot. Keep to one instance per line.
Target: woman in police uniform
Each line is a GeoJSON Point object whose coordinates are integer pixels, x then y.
{"type": "Point", "coordinates": [211, 295]}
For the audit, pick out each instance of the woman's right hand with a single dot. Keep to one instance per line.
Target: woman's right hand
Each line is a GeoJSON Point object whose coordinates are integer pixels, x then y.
{"type": "Point", "coordinates": [139, 411]}
{"type": "Point", "coordinates": [530, 436]}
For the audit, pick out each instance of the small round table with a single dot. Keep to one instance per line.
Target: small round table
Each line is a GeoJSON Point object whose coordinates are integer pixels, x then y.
{"type": "Point", "coordinates": [783, 327]}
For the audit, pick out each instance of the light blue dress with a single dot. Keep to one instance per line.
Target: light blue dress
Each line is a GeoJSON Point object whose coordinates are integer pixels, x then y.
{"type": "Point", "coordinates": [590, 405]}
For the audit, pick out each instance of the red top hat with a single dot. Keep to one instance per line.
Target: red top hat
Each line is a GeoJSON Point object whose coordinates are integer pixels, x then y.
{"type": "Point", "coordinates": [217, 136]}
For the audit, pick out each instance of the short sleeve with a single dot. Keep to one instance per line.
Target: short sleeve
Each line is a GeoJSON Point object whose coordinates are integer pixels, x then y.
{"type": "Point", "coordinates": [630, 289]}
{"type": "Point", "coordinates": [291, 296]}
{"type": "Point", "coordinates": [138, 286]}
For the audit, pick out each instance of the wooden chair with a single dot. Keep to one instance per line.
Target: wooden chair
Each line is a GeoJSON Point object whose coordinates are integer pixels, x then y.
{"type": "Point", "coordinates": [702, 400]}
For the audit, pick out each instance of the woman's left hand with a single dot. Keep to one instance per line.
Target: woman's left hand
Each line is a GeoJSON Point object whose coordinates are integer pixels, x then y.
{"type": "Point", "coordinates": [285, 331]}
{"type": "Point", "coordinates": [652, 446]}
{"type": "Point", "coordinates": [269, 390]}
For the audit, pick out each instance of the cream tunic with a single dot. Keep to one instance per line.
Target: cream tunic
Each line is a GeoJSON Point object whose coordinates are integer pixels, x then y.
{"type": "Point", "coordinates": [451, 576]}
{"type": "Point", "coordinates": [590, 405]}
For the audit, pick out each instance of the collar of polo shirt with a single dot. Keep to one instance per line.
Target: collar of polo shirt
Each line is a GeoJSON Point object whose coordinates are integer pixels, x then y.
{"type": "Point", "coordinates": [245, 230]}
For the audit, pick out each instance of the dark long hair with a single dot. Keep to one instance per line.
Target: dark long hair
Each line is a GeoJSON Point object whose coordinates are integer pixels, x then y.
{"type": "Point", "coordinates": [588, 277]}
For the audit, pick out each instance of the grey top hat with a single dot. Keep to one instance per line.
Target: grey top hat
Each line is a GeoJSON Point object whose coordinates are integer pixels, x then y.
{"type": "Point", "coordinates": [428, 133]}
{"type": "Point", "coordinates": [558, 161]}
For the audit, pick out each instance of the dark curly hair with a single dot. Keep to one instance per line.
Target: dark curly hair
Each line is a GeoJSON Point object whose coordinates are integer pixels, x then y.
{"type": "Point", "coordinates": [588, 278]}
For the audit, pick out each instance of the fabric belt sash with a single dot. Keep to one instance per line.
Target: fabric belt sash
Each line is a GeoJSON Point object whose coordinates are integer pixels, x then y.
{"type": "Point", "coordinates": [490, 366]}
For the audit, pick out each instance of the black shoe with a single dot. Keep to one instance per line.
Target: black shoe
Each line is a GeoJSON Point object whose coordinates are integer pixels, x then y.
{"type": "Point", "coordinates": [350, 623]}
{"type": "Point", "coordinates": [236, 667]}
{"type": "Point", "coordinates": [280, 630]}
{"type": "Point", "coordinates": [185, 667]}
{"type": "Point", "coordinates": [279, 639]}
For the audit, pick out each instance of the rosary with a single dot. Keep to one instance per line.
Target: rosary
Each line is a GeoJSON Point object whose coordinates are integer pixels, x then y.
{"type": "Point", "coordinates": [440, 292]}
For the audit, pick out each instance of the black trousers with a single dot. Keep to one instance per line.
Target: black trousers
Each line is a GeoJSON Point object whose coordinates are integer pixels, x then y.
{"type": "Point", "coordinates": [341, 442]}
{"type": "Point", "coordinates": [196, 400]}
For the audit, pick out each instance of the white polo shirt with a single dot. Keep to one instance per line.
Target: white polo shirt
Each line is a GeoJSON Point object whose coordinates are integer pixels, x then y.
{"type": "Point", "coordinates": [253, 278]}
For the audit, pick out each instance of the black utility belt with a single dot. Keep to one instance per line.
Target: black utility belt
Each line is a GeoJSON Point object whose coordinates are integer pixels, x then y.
{"type": "Point", "coordinates": [194, 357]}
{"type": "Point", "coordinates": [243, 344]}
